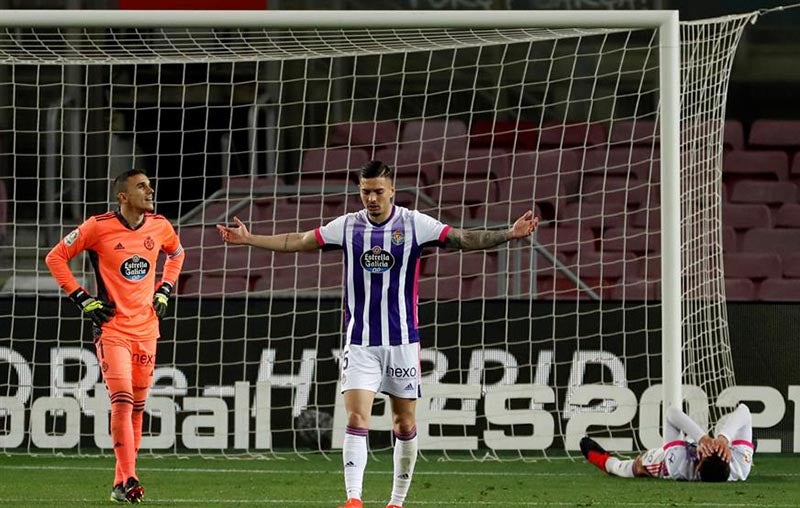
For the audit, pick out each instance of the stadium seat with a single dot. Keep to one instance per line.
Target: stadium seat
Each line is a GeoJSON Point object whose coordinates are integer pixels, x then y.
{"type": "Point", "coordinates": [596, 265]}
{"type": "Point", "coordinates": [733, 137]}
{"type": "Point", "coordinates": [730, 242]}
{"type": "Point", "coordinates": [649, 218]}
{"type": "Point", "coordinates": [472, 195]}
{"type": "Point", "coordinates": [774, 240]}
{"type": "Point", "coordinates": [480, 163]}
{"type": "Point", "coordinates": [616, 189]}
{"type": "Point", "coordinates": [791, 265]}
{"type": "Point", "coordinates": [794, 172]}
{"type": "Point", "coordinates": [560, 287]}
{"type": "Point", "coordinates": [597, 215]}
{"type": "Point", "coordinates": [781, 134]}
{"type": "Point", "coordinates": [333, 163]}
{"type": "Point", "coordinates": [779, 290]}
{"type": "Point", "coordinates": [643, 162]}
{"type": "Point", "coordinates": [752, 265]}
{"type": "Point", "coordinates": [365, 134]}
{"type": "Point", "coordinates": [546, 191]}
{"type": "Point", "coordinates": [631, 240]}
{"type": "Point", "coordinates": [636, 290]}
{"type": "Point", "coordinates": [447, 139]}
{"type": "Point", "coordinates": [746, 216]}
{"type": "Point", "coordinates": [756, 164]}
{"type": "Point", "coordinates": [564, 239]}
{"type": "Point", "coordinates": [561, 163]}
{"type": "Point", "coordinates": [422, 166]}
{"type": "Point", "coordinates": [788, 216]}
{"type": "Point", "coordinates": [739, 289]}
{"type": "Point", "coordinates": [768, 193]}
{"type": "Point", "coordinates": [558, 135]}
{"type": "Point", "coordinates": [639, 131]}
{"type": "Point", "coordinates": [509, 134]}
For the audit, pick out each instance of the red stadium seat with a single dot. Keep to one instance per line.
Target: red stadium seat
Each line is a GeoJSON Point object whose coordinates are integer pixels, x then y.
{"type": "Point", "coordinates": [783, 134]}
{"type": "Point", "coordinates": [636, 290]}
{"type": "Point", "coordinates": [756, 164]}
{"type": "Point", "coordinates": [752, 265]}
{"type": "Point", "coordinates": [423, 166]}
{"type": "Point", "coordinates": [788, 216]}
{"type": "Point", "coordinates": [730, 243]}
{"type": "Point", "coordinates": [639, 131]}
{"type": "Point", "coordinates": [593, 214]}
{"type": "Point", "coordinates": [480, 163]}
{"type": "Point", "coordinates": [447, 139]}
{"type": "Point", "coordinates": [631, 240]}
{"type": "Point", "coordinates": [365, 134]}
{"type": "Point", "coordinates": [745, 216]}
{"type": "Point", "coordinates": [768, 193]}
{"type": "Point", "coordinates": [606, 265]}
{"type": "Point", "coordinates": [561, 163]}
{"type": "Point", "coordinates": [564, 239]}
{"type": "Point", "coordinates": [333, 163]}
{"type": "Point", "coordinates": [779, 290]}
{"type": "Point", "coordinates": [738, 289]}
{"type": "Point", "coordinates": [775, 240]}
{"type": "Point", "coordinates": [557, 135]}
{"type": "Point", "coordinates": [795, 170]}
{"type": "Point", "coordinates": [791, 265]}
{"type": "Point", "coordinates": [643, 162]}
{"type": "Point", "coordinates": [510, 134]}
{"type": "Point", "coordinates": [733, 137]}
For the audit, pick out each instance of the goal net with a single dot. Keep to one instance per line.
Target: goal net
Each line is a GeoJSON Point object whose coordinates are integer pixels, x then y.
{"type": "Point", "coordinates": [525, 348]}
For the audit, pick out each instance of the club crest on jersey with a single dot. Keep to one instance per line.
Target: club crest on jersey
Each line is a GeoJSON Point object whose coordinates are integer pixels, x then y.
{"type": "Point", "coordinates": [70, 238]}
{"type": "Point", "coordinates": [135, 268]}
{"type": "Point", "coordinates": [377, 260]}
{"type": "Point", "coordinates": [398, 237]}
{"type": "Point", "coordinates": [149, 243]}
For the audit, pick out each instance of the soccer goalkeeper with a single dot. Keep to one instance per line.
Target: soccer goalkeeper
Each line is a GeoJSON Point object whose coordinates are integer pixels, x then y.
{"type": "Point", "coordinates": [124, 246]}
{"type": "Point", "coordinates": [728, 456]}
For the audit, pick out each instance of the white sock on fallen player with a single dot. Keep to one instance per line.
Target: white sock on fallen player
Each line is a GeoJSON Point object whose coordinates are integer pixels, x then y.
{"type": "Point", "coordinates": [623, 468]}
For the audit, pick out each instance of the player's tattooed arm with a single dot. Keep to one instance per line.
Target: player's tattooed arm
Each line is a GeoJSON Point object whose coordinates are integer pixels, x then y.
{"type": "Point", "coordinates": [474, 240]}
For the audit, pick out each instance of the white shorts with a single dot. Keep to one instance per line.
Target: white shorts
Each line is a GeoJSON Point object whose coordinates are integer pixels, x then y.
{"type": "Point", "coordinates": [393, 370]}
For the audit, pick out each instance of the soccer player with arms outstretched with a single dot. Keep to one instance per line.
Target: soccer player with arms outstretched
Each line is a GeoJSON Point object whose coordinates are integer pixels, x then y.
{"type": "Point", "coordinates": [382, 245]}
{"type": "Point", "coordinates": [728, 456]}
{"type": "Point", "coordinates": [123, 247]}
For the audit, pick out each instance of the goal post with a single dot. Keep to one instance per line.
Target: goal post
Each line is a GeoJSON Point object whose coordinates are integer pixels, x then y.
{"type": "Point", "coordinates": [609, 123]}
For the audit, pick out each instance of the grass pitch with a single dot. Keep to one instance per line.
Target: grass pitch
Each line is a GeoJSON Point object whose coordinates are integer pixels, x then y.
{"type": "Point", "coordinates": [316, 481]}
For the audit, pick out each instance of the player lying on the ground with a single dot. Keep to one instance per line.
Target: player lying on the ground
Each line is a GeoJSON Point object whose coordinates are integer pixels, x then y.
{"type": "Point", "coordinates": [689, 453]}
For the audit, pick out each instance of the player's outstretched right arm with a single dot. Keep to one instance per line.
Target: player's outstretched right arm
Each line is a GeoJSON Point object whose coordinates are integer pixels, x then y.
{"type": "Point", "coordinates": [287, 242]}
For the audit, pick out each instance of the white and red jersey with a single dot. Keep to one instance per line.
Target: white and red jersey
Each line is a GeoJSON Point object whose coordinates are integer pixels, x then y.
{"type": "Point", "coordinates": [381, 264]}
{"type": "Point", "coordinates": [677, 460]}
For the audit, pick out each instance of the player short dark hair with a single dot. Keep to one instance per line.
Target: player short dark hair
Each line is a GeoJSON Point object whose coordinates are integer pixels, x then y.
{"type": "Point", "coordinates": [121, 181]}
{"type": "Point", "coordinates": [714, 469]}
{"type": "Point", "coordinates": [376, 169]}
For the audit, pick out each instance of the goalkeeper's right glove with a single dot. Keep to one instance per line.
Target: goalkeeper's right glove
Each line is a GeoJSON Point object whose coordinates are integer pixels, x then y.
{"type": "Point", "coordinates": [100, 311]}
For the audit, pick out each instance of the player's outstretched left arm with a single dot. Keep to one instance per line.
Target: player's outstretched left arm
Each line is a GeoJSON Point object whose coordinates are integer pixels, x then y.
{"type": "Point", "coordinates": [477, 240]}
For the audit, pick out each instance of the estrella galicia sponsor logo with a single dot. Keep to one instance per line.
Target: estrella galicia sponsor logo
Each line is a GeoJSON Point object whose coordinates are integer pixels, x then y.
{"type": "Point", "coordinates": [377, 260]}
{"type": "Point", "coordinates": [401, 372]}
{"type": "Point", "coordinates": [135, 268]}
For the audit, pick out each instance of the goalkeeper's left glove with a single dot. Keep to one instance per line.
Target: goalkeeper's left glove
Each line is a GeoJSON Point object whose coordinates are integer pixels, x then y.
{"type": "Point", "coordinates": [161, 298]}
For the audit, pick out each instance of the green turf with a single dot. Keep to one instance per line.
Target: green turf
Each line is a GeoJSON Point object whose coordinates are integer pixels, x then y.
{"type": "Point", "coordinates": [316, 482]}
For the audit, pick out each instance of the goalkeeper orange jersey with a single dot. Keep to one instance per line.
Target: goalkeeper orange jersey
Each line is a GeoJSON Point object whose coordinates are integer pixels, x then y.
{"type": "Point", "coordinates": [124, 260]}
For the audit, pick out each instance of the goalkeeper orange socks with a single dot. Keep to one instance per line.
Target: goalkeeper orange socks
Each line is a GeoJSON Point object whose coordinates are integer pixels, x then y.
{"type": "Point", "coordinates": [122, 432]}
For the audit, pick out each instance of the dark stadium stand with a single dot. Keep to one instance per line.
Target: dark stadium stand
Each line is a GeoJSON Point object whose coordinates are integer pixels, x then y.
{"type": "Point", "coordinates": [594, 188]}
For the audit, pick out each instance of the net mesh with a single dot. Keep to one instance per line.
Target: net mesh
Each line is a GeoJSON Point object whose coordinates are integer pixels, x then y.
{"type": "Point", "coordinates": [526, 348]}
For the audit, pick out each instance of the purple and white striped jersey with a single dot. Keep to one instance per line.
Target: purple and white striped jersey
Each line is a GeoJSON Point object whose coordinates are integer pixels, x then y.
{"type": "Point", "coordinates": [381, 264]}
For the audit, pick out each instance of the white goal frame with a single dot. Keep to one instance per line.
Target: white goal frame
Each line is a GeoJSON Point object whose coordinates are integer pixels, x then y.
{"type": "Point", "coordinates": [665, 21]}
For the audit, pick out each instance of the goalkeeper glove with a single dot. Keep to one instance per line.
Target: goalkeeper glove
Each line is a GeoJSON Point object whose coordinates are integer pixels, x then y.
{"type": "Point", "coordinates": [161, 298]}
{"type": "Point", "coordinates": [99, 311]}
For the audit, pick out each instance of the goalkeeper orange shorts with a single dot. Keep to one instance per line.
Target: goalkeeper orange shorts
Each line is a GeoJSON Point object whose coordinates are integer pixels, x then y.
{"type": "Point", "coordinates": [127, 359]}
